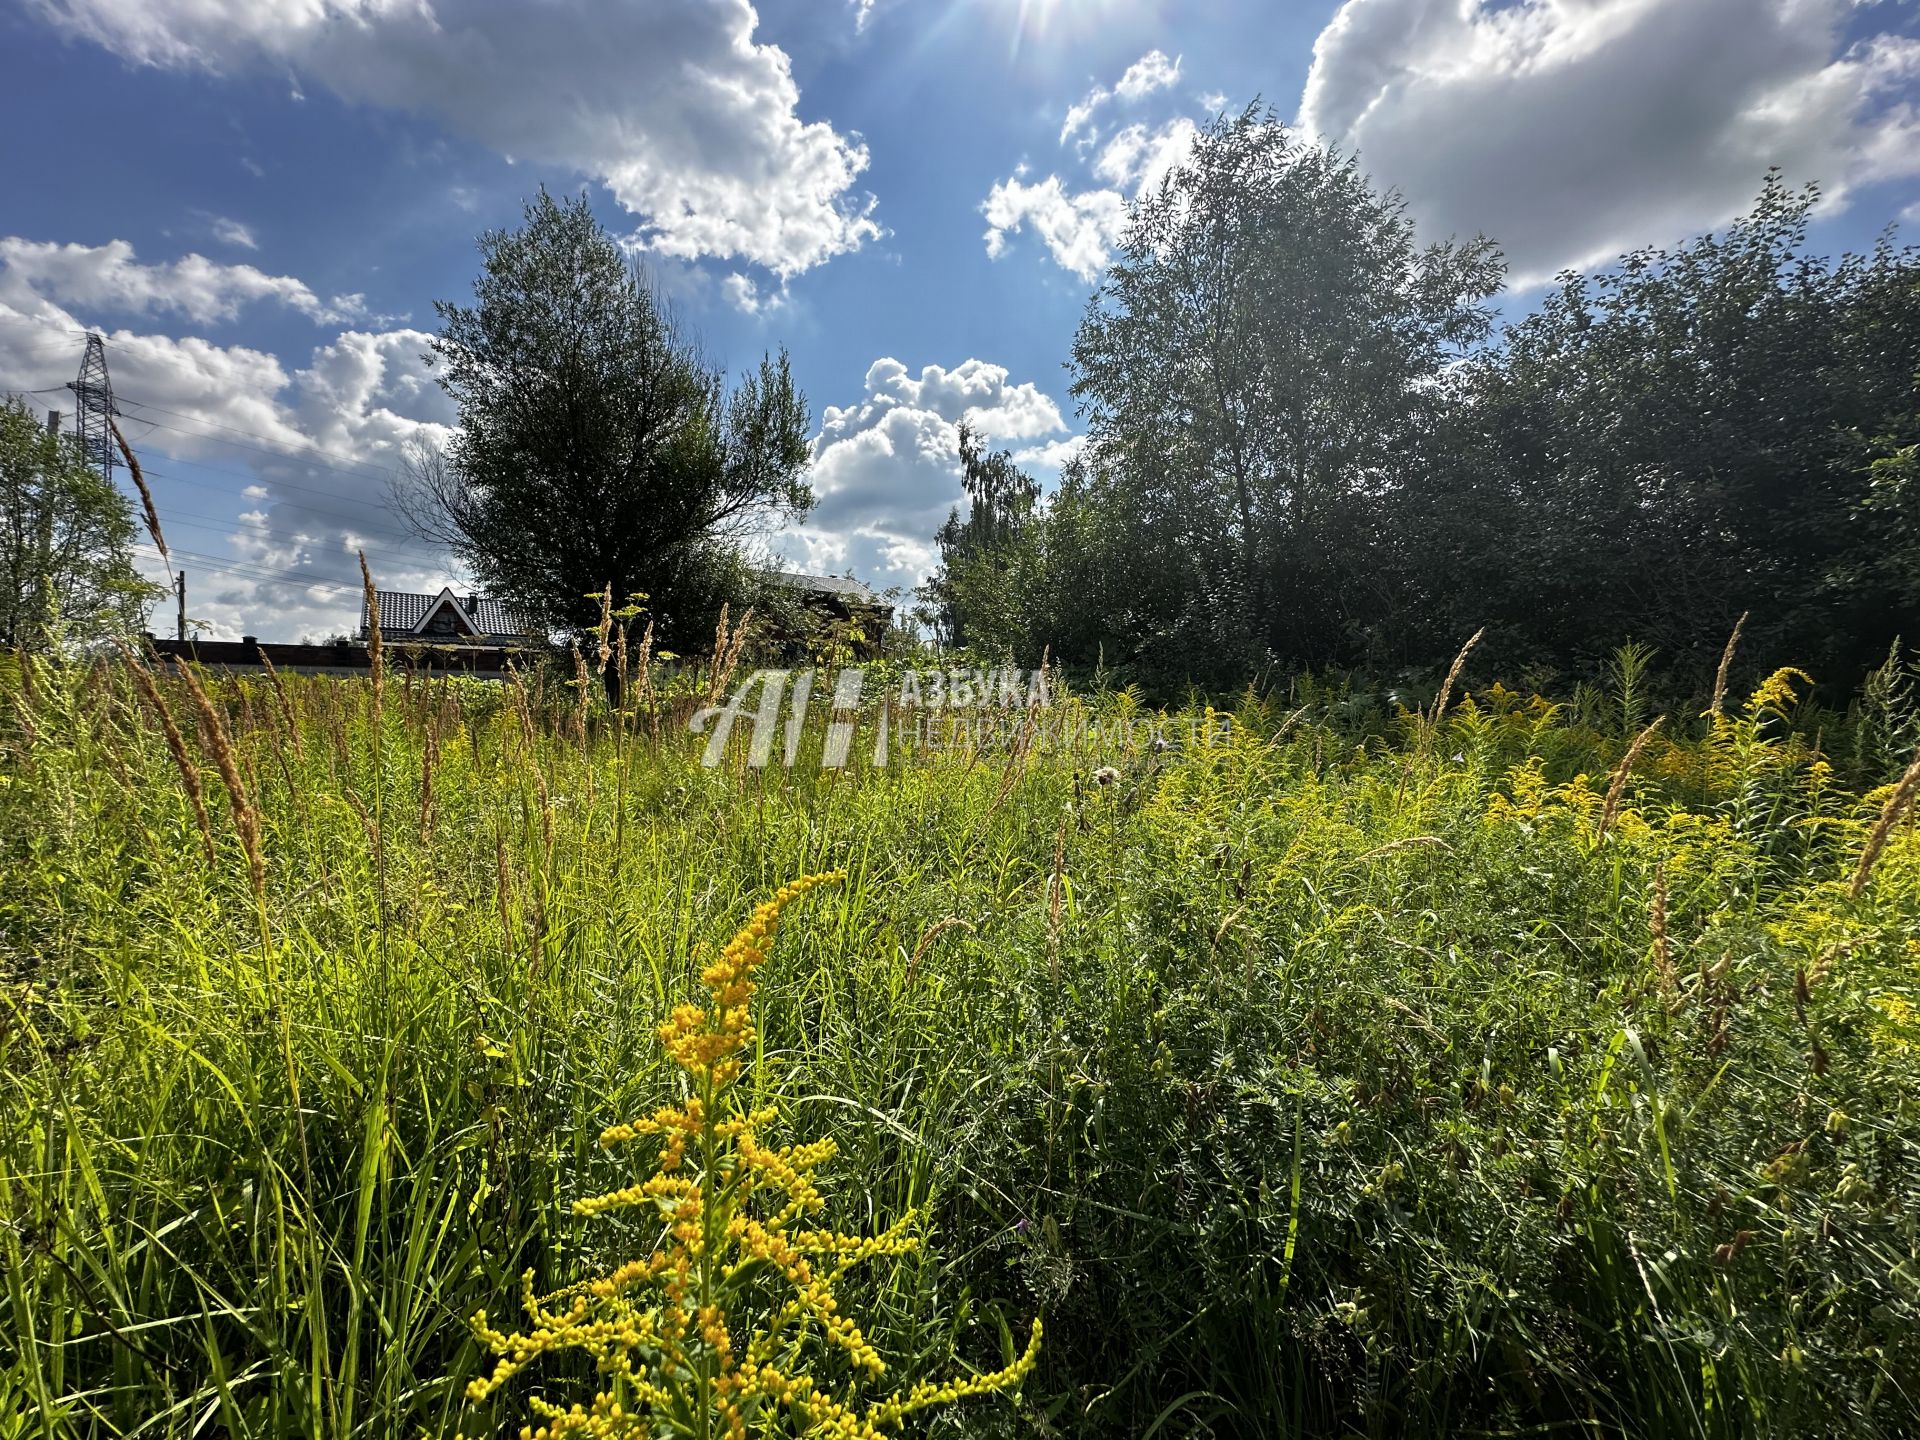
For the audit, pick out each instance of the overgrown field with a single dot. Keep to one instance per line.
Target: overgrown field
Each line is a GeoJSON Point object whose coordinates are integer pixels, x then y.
{"type": "Point", "coordinates": [1358, 1072]}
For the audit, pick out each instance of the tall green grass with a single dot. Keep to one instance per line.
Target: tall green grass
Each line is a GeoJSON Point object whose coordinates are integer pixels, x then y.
{"type": "Point", "coordinates": [1335, 1078]}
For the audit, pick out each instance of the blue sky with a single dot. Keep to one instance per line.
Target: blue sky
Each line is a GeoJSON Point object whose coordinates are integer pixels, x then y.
{"type": "Point", "coordinates": [258, 203]}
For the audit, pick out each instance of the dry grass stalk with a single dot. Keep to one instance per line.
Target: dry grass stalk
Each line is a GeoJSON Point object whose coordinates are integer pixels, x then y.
{"type": "Point", "coordinates": [286, 705]}
{"type": "Point", "coordinates": [239, 802]}
{"type": "Point", "coordinates": [739, 640]}
{"type": "Point", "coordinates": [1890, 813]}
{"type": "Point", "coordinates": [368, 825]}
{"type": "Point", "coordinates": [249, 728]}
{"type": "Point", "coordinates": [1657, 922]}
{"type": "Point", "coordinates": [115, 714]}
{"type": "Point", "coordinates": [279, 751]}
{"type": "Point", "coordinates": [1056, 888]}
{"type": "Point", "coordinates": [376, 665]}
{"type": "Point", "coordinates": [719, 649]}
{"type": "Point", "coordinates": [644, 673]}
{"type": "Point", "coordinates": [620, 667]}
{"type": "Point", "coordinates": [1459, 664]}
{"type": "Point", "coordinates": [1620, 773]}
{"type": "Point", "coordinates": [24, 663]}
{"type": "Point", "coordinates": [146, 496]}
{"type": "Point", "coordinates": [1009, 773]}
{"type": "Point", "coordinates": [1726, 664]}
{"type": "Point", "coordinates": [605, 625]}
{"type": "Point", "coordinates": [336, 728]}
{"type": "Point", "coordinates": [23, 716]}
{"type": "Point", "coordinates": [933, 933]}
{"type": "Point", "coordinates": [177, 747]}
{"type": "Point", "coordinates": [726, 655]}
{"type": "Point", "coordinates": [523, 711]}
{"type": "Point", "coordinates": [537, 933]}
{"type": "Point", "coordinates": [581, 682]}
{"type": "Point", "coordinates": [1823, 966]}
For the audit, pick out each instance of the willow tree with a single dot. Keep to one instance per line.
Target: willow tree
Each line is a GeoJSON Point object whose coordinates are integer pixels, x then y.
{"type": "Point", "coordinates": [596, 445]}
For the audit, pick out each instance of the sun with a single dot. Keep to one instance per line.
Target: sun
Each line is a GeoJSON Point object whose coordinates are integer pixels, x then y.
{"type": "Point", "coordinates": [1038, 21]}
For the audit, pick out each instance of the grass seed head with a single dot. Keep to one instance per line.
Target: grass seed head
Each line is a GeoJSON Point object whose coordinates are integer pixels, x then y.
{"type": "Point", "coordinates": [1896, 805]}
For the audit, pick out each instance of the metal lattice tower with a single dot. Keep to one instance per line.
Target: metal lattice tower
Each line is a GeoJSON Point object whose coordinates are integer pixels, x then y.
{"type": "Point", "coordinates": [94, 412]}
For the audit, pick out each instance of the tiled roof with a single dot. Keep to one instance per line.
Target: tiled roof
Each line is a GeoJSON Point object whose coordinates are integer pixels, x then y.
{"type": "Point", "coordinates": [828, 584]}
{"type": "Point", "coordinates": [496, 617]}
{"type": "Point", "coordinates": [403, 612]}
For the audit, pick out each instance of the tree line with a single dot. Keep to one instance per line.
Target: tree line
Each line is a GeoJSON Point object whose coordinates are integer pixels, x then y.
{"type": "Point", "coordinates": [1309, 445]}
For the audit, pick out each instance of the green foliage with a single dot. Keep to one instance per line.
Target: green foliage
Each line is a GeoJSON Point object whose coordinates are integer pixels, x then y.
{"type": "Point", "coordinates": [1324, 1073]}
{"type": "Point", "coordinates": [1251, 371]}
{"type": "Point", "coordinates": [1302, 448]}
{"type": "Point", "coordinates": [1680, 437]}
{"type": "Point", "coordinates": [595, 445]}
{"type": "Point", "coordinates": [972, 598]}
{"type": "Point", "coordinates": [66, 569]}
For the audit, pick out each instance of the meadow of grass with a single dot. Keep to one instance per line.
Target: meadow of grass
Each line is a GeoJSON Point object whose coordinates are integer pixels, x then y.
{"type": "Point", "coordinates": [1342, 1071]}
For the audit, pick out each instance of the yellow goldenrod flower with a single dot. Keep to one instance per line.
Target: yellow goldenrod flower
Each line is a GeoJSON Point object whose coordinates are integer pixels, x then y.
{"type": "Point", "coordinates": [662, 1330]}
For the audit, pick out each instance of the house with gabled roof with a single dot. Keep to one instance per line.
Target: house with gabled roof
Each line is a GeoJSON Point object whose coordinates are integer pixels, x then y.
{"type": "Point", "coordinates": [447, 619]}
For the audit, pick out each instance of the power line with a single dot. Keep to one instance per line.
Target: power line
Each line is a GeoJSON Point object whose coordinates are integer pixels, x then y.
{"type": "Point", "coordinates": [65, 348]}
{"type": "Point", "coordinates": [261, 570]}
{"type": "Point", "coordinates": [214, 523]}
{"type": "Point", "coordinates": [285, 446]}
{"type": "Point", "coordinates": [267, 576]}
{"type": "Point", "coordinates": [346, 522]}
{"type": "Point", "coordinates": [280, 447]}
{"type": "Point", "coordinates": [203, 563]}
{"type": "Point", "coordinates": [271, 454]}
{"type": "Point", "coordinates": [251, 476]}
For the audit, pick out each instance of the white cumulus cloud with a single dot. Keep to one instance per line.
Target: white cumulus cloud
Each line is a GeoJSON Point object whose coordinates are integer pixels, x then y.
{"type": "Point", "coordinates": [1571, 130]}
{"type": "Point", "coordinates": [1081, 222]}
{"type": "Point", "coordinates": [1151, 72]}
{"type": "Point", "coordinates": [1079, 228]}
{"type": "Point", "coordinates": [1140, 158]}
{"type": "Point", "coordinates": [887, 469]}
{"type": "Point", "coordinates": [746, 295]}
{"type": "Point", "coordinates": [690, 122]}
{"type": "Point", "coordinates": [109, 277]}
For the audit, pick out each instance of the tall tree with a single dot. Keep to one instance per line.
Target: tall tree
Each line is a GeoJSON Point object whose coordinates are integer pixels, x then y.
{"type": "Point", "coordinates": [596, 446]}
{"type": "Point", "coordinates": [1682, 436]}
{"type": "Point", "coordinates": [1255, 370]}
{"type": "Point", "coordinates": [976, 549]}
{"type": "Point", "coordinates": [66, 569]}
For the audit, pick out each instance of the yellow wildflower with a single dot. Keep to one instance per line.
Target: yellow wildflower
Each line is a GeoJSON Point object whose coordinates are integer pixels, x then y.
{"type": "Point", "coordinates": [662, 1330]}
